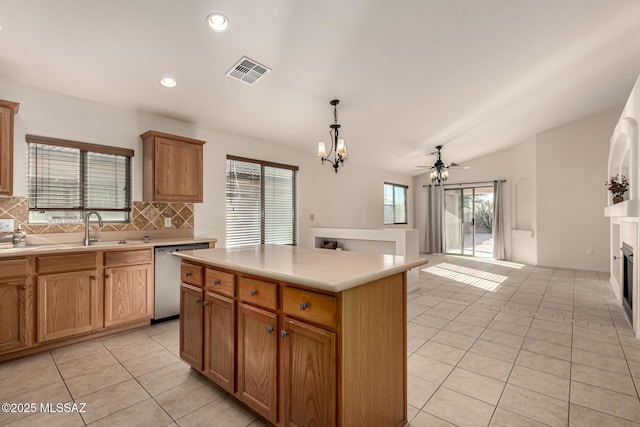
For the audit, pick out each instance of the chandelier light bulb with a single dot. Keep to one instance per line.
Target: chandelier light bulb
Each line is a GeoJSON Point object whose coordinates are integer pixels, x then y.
{"type": "Point", "coordinates": [322, 149]}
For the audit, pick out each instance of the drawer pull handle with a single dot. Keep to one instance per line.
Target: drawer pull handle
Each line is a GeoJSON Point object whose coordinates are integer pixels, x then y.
{"type": "Point", "coordinates": [284, 334]}
{"type": "Point", "coordinates": [269, 329]}
{"type": "Point", "coordinates": [107, 276]}
{"type": "Point", "coordinates": [188, 274]}
{"type": "Point", "coordinates": [94, 277]}
{"type": "Point", "coordinates": [206, 303]}
{"type": "Point", "coordinates": [216, 282]}
{"type": "Point", "coordinates": [198, 300]}
{"type": "Point", "coordinates": [303, 306]}
{"type": "Point", "coordinates": [254, 292]}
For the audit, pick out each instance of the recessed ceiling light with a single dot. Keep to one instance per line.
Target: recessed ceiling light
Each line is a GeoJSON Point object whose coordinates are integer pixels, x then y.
{"type": "Point", "coordinates": [218, 22]}
{"type": "Point", "coordinates": [168, 82]}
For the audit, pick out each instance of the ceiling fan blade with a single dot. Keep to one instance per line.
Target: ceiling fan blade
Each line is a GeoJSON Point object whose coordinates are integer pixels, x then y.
{"type": "Point", "coordinates": [420, 166]}
{"type": "Point", "coordinates": [457, 166]}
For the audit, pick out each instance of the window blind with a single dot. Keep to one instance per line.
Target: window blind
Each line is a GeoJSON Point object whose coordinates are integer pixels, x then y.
{"type": "Point", "coordinates": [260, 203]}
{"type": "Point", "coordinates": [62, 178]}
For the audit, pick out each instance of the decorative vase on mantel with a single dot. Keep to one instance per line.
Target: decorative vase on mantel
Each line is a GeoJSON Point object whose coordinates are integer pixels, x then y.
{"type": "Point", "coordinates": [617, 185]}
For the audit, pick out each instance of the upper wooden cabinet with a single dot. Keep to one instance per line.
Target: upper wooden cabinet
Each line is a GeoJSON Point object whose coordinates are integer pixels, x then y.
{"type": "Point", "coordinates": [171, 168]}
{"type": "Point", "coordinates": [7, 110]}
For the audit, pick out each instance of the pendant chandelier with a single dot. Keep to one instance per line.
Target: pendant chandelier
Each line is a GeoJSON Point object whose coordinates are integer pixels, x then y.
{"type": "Point", "coordinates": [338, 148]}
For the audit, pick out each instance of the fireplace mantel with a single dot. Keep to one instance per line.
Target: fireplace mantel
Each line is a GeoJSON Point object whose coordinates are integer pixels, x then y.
{"type": "Point", "coordinates": [628, 208]}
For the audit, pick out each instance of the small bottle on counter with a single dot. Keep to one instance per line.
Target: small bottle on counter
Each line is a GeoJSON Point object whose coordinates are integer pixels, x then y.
{"type": "Point", "coordinates": [19, 238]}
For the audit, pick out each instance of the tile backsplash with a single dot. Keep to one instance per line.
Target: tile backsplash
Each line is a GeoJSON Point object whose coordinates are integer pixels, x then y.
{"type": "Point", "coordinates": [144, 216]}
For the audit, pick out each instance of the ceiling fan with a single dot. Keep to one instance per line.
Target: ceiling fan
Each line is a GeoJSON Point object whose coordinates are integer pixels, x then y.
{"type": "Point", "coordinates": [440, 169]}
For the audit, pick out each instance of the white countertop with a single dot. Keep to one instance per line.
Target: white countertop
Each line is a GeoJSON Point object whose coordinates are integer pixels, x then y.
{"type": "Point", "coordinates": [329, 270]}
{"type": "Point", "coordinates": [100, 245]}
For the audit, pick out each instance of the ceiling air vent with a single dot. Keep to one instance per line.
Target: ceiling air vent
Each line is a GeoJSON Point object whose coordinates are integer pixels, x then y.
{"type": "Point", "coordinates": [248, 71]}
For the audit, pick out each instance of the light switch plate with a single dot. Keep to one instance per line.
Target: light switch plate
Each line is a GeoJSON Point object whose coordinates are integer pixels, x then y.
{"type": "Point", "coordinates": [6, 225]}
{"type": "Point", "coordinates": [167, 222]}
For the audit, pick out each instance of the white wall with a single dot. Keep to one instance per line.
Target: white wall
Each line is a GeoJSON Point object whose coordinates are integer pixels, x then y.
{"type": "Point", "coordinates": [517, 166]}
{"type": "Point", "coordinates": [571, 172]}
{"type": "Point", "coordinates": [351, 198]}
{"type": "Point", "coordinates": [554, 195]}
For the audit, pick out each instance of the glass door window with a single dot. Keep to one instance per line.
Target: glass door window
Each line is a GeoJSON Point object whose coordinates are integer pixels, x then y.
{"type": "Point", "coordinates": [468, 221]}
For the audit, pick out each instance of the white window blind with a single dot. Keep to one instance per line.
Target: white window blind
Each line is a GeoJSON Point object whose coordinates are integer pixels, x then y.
{"type": "Point", "coordinates": [67, 181]}
{"type": "Point", "coordinates": [261, 204]}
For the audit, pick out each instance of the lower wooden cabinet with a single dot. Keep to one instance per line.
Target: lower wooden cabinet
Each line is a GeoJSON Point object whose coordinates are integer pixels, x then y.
{"type": "Point", "coordinates": [219, 340]}
{"type": "Point", "coordinates": [128, 294]}
{"type": "Point", "coordinates": [67, 304]}
{"type": "Point", "coordinates": [13, 314]}
{"type": "Point", "coordinates": [191, 326]}
{"type": "Point", "coordinates": [309, 373]}
{"type": "Point", "coordinates": [258, 360]}
{"type": "Point", "coordinates": [296, 356]}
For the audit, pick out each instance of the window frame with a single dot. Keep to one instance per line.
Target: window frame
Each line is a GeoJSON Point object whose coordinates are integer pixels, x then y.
{"type": "Point", "coordinates": [393, 204]}
{"type": "Point", "coordinates": [85, 149]}
{"type": "Point", "coordinates": [294, 190]}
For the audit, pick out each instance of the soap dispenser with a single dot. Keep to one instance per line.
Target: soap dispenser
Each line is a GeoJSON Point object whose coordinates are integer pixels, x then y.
{"type": "Point", "coordinates": [19, 238]}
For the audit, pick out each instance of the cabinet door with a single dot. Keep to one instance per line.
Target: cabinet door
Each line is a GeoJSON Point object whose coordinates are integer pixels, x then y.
{"type": "Point", "coordinates": [13, 314]}
{"type": "Point", "coordinates": [128, 294]}
{"type": "Point", "coordinates": [219, 340]}
{"type": "Point", "coordinates": [191, 325]}
{"type": "Point", "coordinates": [178, 170]}
{"type": "Point", "coordinates": [7, 110]}
{"type": "Point", "coordinates": [67, 304]}
{"type": "Point", "coordinates": [309, 375]}
{"type": "Point", "coordinates": [257, 360]}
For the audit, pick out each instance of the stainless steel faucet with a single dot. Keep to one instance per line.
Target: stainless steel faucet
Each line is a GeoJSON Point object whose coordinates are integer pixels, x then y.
{"type": "Point", "coordinates": [87, 240]}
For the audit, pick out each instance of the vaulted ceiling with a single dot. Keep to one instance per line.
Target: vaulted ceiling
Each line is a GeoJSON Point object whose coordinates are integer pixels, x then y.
{"type": "Point", "coordinates": [473, 75]}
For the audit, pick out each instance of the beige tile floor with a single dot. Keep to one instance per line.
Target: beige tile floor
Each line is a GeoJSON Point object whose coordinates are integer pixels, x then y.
{"type": "Point", "coordinates": [489, 343]}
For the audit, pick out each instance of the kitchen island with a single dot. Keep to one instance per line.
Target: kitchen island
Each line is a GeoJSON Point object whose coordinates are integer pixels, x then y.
{"type": "Point", "coordinates": [301, 336]}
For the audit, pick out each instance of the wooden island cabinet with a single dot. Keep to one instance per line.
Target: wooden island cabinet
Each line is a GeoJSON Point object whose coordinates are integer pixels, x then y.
{"type": "Point", "coordinates": [310, 346]}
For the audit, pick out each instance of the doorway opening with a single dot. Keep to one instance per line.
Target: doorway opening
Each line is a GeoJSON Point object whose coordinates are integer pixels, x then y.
{"type": "Point", "coordinates": [468, 221]}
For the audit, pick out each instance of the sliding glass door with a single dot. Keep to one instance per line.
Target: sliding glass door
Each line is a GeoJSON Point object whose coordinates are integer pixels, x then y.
{"type": "Point", "coordinates": [468, 221]}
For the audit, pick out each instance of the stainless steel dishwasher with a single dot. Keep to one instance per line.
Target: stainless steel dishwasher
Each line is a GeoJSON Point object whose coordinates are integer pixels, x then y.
{"type": "Point", "coordinates": [167, 281]}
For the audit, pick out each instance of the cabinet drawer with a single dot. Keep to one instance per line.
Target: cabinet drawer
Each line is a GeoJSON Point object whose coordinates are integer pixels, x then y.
{"type": "Point", "coordinates": [138, 256]}
{"type": "Point", "coordinates": [13, 268]}
{"type": "Point", "coordinates": [190, 273]}
{"type": "Point", "coordinates": [67, 262]}
{"type": "Point", "coordinates": [311, 306]}
{"type": "Point", "coordinates": [220, 282]}
{"type": "Point", "coordinates": [258, 292]}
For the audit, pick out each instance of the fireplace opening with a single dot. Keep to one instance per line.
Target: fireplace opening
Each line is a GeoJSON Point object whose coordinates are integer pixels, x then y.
{"type": "Point", "coordinates": [627, 280]}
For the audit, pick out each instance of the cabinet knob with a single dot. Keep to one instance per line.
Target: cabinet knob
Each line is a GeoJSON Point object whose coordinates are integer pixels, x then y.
{"type": "Point", "coordinates": [216, 282]}
{"type": "Point", "coordinates": [303, 306]}
{"type": "Point", "coordinates": [94, 277]}
{"type": "Point", "coordinates": [269, 329]}
{"type": "Point", "coordinates": [24, 288]}
{"type": "Point", "coordinates": [206, 303]}
{"type": "Point", "coordinates": [188, 274]}
{"type": "Point", "coordinates": [198, 300]}
{"type": "Point", "coordinates": [158, 192]}
{"type": "Point", "coordinates": [284, 334]}
{"type": "Point", "coordinates": [254, 292]}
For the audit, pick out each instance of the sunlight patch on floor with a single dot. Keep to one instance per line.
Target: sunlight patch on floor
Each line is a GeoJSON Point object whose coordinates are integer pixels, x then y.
{"type": "Point", "coordinates": [469, 276]}
{"type": "Point", "coordinates": [501, 263]}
